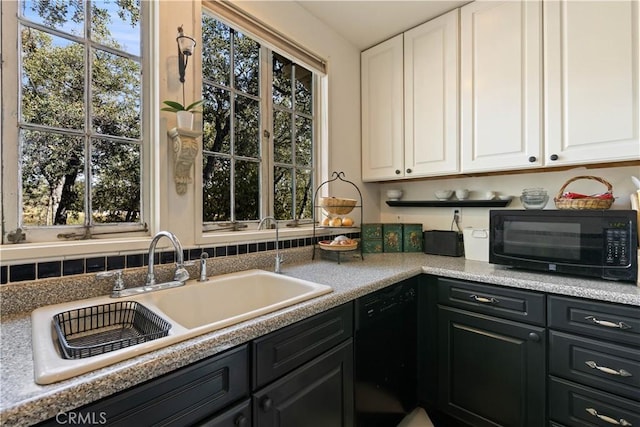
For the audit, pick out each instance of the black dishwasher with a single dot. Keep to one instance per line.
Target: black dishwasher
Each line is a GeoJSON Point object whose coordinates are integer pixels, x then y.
{"type": "Point", "coordinates": [386, 357]}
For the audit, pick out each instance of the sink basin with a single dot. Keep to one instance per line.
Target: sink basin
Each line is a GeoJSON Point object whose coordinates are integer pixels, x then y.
{"type": "Point", "coordinates": [233, 298]}
{"type": "Point", "coordinates": [190, 310]}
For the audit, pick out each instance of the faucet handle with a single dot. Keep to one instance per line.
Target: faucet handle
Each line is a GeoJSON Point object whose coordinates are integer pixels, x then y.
{"type": "Point", "coordinates": [118, 284]}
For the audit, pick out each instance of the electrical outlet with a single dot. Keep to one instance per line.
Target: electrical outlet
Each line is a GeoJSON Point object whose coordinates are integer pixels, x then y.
{"type": "Point", "coordinates": [457, 211]}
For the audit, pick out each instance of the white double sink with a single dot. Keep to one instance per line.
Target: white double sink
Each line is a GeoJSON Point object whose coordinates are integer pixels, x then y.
{"type": "Point", "coordinates": [193, 309]}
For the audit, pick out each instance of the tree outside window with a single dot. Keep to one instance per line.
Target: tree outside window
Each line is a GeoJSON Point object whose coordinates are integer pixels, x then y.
{"type": "Point", "coordinates": [253, 108]}
{"type": "Point", "coordinates": [80, 113]}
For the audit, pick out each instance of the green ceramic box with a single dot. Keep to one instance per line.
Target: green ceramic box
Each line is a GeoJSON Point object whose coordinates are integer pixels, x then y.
{"type": "Point", "coordinates": [392, 237]}
{"type": "Point", "coordinates": [372, 246]}
{"type": "Point", "coordinates": [372, 232]}
{"type": "Point", "coordinates": [412, 237]}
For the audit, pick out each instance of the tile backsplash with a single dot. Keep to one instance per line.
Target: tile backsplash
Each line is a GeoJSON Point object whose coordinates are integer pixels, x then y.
{"type": "Point", "coordinates": [69, 267]}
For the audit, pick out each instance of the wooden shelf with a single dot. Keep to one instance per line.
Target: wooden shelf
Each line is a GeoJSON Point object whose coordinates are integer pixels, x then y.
{"type": "Point", "coordinates": [449, 203]}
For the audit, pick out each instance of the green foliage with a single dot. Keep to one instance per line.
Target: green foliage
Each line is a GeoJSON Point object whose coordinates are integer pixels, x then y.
{"type": "Point", "coordinates": [174, 107]}
{"type": "Point", "coordinates": [57, 182]}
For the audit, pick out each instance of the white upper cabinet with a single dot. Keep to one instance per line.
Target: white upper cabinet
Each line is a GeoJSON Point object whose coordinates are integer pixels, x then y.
{"type": "Point", "coordinates": [431, 98]}
{"type": "Point", "coordinates": [382, 111]}
{"type": "Point", "coordinates": [592, 90]}
{"type": "Point", "coordinates": [501, 85]}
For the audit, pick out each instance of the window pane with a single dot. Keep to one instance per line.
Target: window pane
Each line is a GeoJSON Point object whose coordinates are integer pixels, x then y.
{"type": "Point", "coordinates": [52, 178]}
{"type": "Point", "coordinates": [304, 195]}
{"type": "Point", "coordinates": [115, 182]}
{"type": "Point", "coordinates": [246, 64]}
{"type": "Point", "coordinates": [304, 144]}
{"type": "Point", "coordinates": [66, 16]}
{"type": "Point", "coordinates": [282, 137]}
{"type": "Point", "coordinates": [216, 189]}
{"type": "Point", "coordinates": [281, 81]}
{"type": "Point", "coordinates": [304, 87]}
{"type": "Point", "coordinates": [247, 131]}
{"type": "Point", "coordinates": [216, 120]}
{"type": "Point", "coordinates": [216, 51]}
{"type": "Point", "coordinates": [283, 187]}
{"type": "Point", "coordinates": [123, 31]}
{"type": "Point", "coordinates": [247, 183]}
{"type": "Point", "coordinates": [56, 102]}
{"type": "Point", "coordinates": [116, 95]}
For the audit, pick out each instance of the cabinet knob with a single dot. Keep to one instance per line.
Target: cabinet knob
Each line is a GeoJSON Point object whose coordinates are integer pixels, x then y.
{"type": "Point", "coordinates": [534, 337]}
{"type": "Point", "coordinates": [397, 171]}
{"type": "Point", "coordinates": [553, 157]}
{"type": "Point", "coordinates": [408, 170]}
{"type": "Point", "coordinates": [532, 159]}
{"type": "Point", "coordinates": [266, 403]}
{"type": "Point", "coordinates": [240, 421]}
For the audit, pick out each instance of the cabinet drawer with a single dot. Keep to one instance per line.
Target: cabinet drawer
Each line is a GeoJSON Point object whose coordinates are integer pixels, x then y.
{"type": "Point", "coordinates": [574, 405]}
{"type": "Point", "coordinates": [279, 352]}
{"type": "Point", "coordinates": [607, 366]}
{"type": "Point", "coordinates": [523, 306]}
{"type": "Point", "coordinates": [236, 416]}
{"type": "Point", "coordinates": [179, 398]}
{"type": "Point", "coordinates": [612, 322]}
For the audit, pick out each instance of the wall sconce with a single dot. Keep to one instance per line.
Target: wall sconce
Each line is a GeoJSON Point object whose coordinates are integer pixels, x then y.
{"type": "Point", "coordinates": [186, 45]}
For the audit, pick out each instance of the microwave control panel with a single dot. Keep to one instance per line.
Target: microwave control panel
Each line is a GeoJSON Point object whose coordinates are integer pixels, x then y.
{"type": "Point", "coordinates": [617, 247]}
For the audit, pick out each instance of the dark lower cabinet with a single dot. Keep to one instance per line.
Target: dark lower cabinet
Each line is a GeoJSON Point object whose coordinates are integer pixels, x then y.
{"type": "Point", "coordinates": [594, 363]}
{"type": "Point", "coordinates": [180, 398]}
{"type": "Point", "coordinates": [236, 416]}
{"type": "Point", "coordinates": [303, 373]}
{"type": "Point", "coordinates": [492, 370]}
{"type": "Point", "coordinates": [482, 354]}
{"type": "Point", "coordinates": [318, 394]}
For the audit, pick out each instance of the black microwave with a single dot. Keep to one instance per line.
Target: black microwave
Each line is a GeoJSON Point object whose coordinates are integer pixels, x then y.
{"type": "Point", "coordinates": [596, 243]}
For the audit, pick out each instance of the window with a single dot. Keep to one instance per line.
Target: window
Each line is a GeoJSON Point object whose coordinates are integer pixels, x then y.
{"type": "Point", "coordinates": [78, 159]}
{"type": "Point", "coordinates": [258, 124]}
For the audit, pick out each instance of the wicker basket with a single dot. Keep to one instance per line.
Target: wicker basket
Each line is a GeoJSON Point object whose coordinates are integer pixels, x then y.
{"type": "Point", "coordinates": [337, 205]}
{"type": "Point", "coordinates": [586, 202]}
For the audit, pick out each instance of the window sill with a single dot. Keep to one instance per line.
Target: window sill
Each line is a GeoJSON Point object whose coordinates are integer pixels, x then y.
{"type": "Point", "coordinates": [10, 254]}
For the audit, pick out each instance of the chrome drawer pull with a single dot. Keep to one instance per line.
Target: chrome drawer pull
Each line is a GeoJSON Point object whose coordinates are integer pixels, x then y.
{"type": "Point", "coordinates": [619, 325]}
{"type": "Point", "coordinates": [610, 371]}
{"type": "Point", "coordinates": [621, 422]}
{"type": "Point", "coordinates": [484, 300]}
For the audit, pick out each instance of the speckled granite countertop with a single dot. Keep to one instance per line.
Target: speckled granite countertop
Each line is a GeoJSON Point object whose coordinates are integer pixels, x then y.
{"type": "Point", "coordinates": [23, 402]}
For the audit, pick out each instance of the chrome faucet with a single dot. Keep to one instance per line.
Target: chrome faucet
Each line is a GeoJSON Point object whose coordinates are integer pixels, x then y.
{"type": "Point", "coordinates": [279, 259]}
{"type": "Point", "coordinates": [180, 274]}
{"type": "Point", "coordinates": [203, 267]}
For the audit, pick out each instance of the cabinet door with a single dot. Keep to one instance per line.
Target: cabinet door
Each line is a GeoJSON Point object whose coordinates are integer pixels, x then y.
{"type": "Point", "coordinates": [431, 97]}
{"type": "Point", "coordinates": [501, 73]}
{"type": "Point", "coordinates": [318, 394]}
{"type": "Point", "coordinates": [382, 115]}
{"type": "Point", "coordinates": [592, 91]}
{"type": "Point", "coordinates": [492, 371]}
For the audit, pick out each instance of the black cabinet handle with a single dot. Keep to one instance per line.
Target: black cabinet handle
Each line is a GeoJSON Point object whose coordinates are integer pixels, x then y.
{"type": "Point", "coordinates": [266, 403]}
{"type": "Point", "coordinates": [409, 170]}
{"type": "Point", "coordinates": [397, 171]}
{"type": "Point", "coordinates": [607, 323]}
{"type": "Point", "coordinates": [532, 159]}
{"type": "Point", "coordinates": [534, 337]}
{"type": "Point", "coordinates": [240, 421]}
{"type": "Point", "coordinates": [608, 419]}
{"type": "Point", "coordinates": [553, 157]}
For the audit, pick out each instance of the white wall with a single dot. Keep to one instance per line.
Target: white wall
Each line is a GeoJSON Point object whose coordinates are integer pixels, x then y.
{"type": "Point", "coordinates": [440, 218]}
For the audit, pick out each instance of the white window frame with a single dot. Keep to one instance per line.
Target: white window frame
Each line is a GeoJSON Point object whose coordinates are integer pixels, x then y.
{"type": "Point", "coordinates": [207, 234]}
{"type": "Point", "coordinates": [42, 242]}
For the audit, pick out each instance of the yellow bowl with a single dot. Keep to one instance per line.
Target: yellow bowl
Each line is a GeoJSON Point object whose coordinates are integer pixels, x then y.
{"type": "Point", "coordinates": [337, 205]}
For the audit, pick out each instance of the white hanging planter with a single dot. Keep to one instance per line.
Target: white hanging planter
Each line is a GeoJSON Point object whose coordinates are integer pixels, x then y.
{"type": "Point", "coordinates": [185, 120]}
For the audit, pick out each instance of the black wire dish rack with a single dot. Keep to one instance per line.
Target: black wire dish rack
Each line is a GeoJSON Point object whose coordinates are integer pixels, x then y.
{"type": "Point", "coordinates": [329, 231]}
{"type": "Point", "coordinates": [99, 329]}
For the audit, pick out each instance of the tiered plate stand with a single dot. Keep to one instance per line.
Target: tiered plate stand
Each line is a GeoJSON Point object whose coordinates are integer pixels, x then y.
{"type": "Point", "coordinates": [320, 231]}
